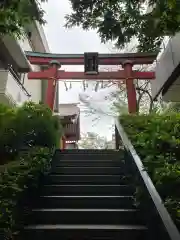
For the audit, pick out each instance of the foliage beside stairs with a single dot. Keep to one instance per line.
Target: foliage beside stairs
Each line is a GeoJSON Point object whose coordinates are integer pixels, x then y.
{"type": "Point", "coordinates": [156, 139]}
{"type": "Point", "coordinates": [16, 178]}
{"type": "Point", "coordinates": [28, 136]}
{"type": "Point", "coordinates": [29, 125]}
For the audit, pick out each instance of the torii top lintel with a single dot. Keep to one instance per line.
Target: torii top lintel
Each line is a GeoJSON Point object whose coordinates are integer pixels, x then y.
{"type": "Point", "coordinates": [37, 58]}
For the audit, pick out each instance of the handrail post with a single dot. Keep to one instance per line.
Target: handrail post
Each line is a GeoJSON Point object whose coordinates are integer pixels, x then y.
{"type": "Point", "coordinates": [116, 138]}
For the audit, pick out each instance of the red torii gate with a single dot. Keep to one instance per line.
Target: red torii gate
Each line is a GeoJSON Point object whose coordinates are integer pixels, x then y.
{"type": "Point", "coordinates": [127, 60]}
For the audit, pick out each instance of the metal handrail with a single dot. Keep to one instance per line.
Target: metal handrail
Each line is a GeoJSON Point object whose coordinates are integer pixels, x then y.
{"type": "Point", "coordinates": [17, 78]}
{"type": "Point", "coordinates": [158, 202]}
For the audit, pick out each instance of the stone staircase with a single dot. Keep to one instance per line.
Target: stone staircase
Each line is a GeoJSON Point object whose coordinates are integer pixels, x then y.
{"type": "Point", "coordinates": [87, 195]}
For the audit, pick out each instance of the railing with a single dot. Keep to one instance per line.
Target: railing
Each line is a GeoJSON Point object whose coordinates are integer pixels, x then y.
{"type": "Point", "coordinates": [168, 228]}
{"type": "Point", "coordinates": [17, 77]}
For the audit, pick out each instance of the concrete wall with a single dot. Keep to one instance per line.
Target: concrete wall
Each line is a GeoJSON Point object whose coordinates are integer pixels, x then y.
{"type": "Point", "coordinates": [39, 44]}
{"type": "Point", "coordinates": [34, 87]}
{"type": "Point", "coordinates": [10, 91]}
{"type": "Point", "coordinates": [34, 41]}
{"type": "Point", "coordinates": [166, 65]}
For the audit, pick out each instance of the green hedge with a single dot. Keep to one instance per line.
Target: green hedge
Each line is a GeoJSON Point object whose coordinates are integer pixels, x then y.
{"type": "Point", "coordinates": [156, 139]}
{"type": "Point", "coordinates": [28, 135]}
{"type": "Point", "coordinates": [16, 178]}
{"type": "Point", "coordinates": [26, 126]}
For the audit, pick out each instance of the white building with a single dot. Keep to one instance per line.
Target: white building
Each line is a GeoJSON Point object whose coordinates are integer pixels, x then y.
{"type": "Point", "coordinates": [167, 69]}
{"type": "Point", "coordinates": [167, 82]}
{"type": "Point", "coordinates": [15, 88]}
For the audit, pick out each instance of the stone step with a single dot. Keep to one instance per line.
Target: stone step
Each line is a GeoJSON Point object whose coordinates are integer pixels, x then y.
{"type": "Point", "coordinates": [85, 152]}
{"type": "Point", "coordinates": [85, 179]}
{"type": "Point", "coordinates": [88, 155]}
{"type": "Point", "coordinates": [85, 216]}
{"type": "Point", "coordinates": [88, 190]}
{"type": "Point", "coordinates": [85, 202]}
{"type": "Point", "coordinates": [88, 170]}
{"type": "Point", "coordinates": [88, 163]}
{"type": "Point", "coordinates": [66, 232]}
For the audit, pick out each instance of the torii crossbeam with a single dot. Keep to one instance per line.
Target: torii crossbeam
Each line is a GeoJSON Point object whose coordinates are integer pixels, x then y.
{"type": "Point", "coordinates": [127, 60]}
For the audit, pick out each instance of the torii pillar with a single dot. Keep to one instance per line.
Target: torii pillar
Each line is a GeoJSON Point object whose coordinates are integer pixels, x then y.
{"type": "Point", "coordinates": [130, 88]}
{"type": "Point", "coordinates": [51, 91]}
{"type": "Point", "coordinates": [51, 88]}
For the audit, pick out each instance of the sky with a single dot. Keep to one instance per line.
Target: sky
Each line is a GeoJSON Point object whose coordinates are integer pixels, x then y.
{"type": "Point", "coordinates": [62, 40]}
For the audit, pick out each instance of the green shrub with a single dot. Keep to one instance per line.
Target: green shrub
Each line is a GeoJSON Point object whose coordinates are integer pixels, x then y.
{"type": "Point", "coordinates": [26, 126]}
{"type": "Point", "coordinates": [7, 117]}
{"type": "Point", "coordinates": [35, 126]}
{"type": "Point", "coordinates": [156, 139]}
{"type": "Point", "coordinates": [28, 135]}
{"type": "Point", "coordinates": [15, 179]}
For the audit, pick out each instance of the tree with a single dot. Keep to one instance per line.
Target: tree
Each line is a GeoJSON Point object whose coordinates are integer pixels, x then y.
{"type": "Point", "coordinates": [125, 20]}
{"type": "Point", "coordinates": [91, 140]}
{"type": "Point", "coordinates": [114, 96]}
{"type": "Point", "coordinates": [170, 107]}
{"type": "Point", "coordinates": [16, 14]}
